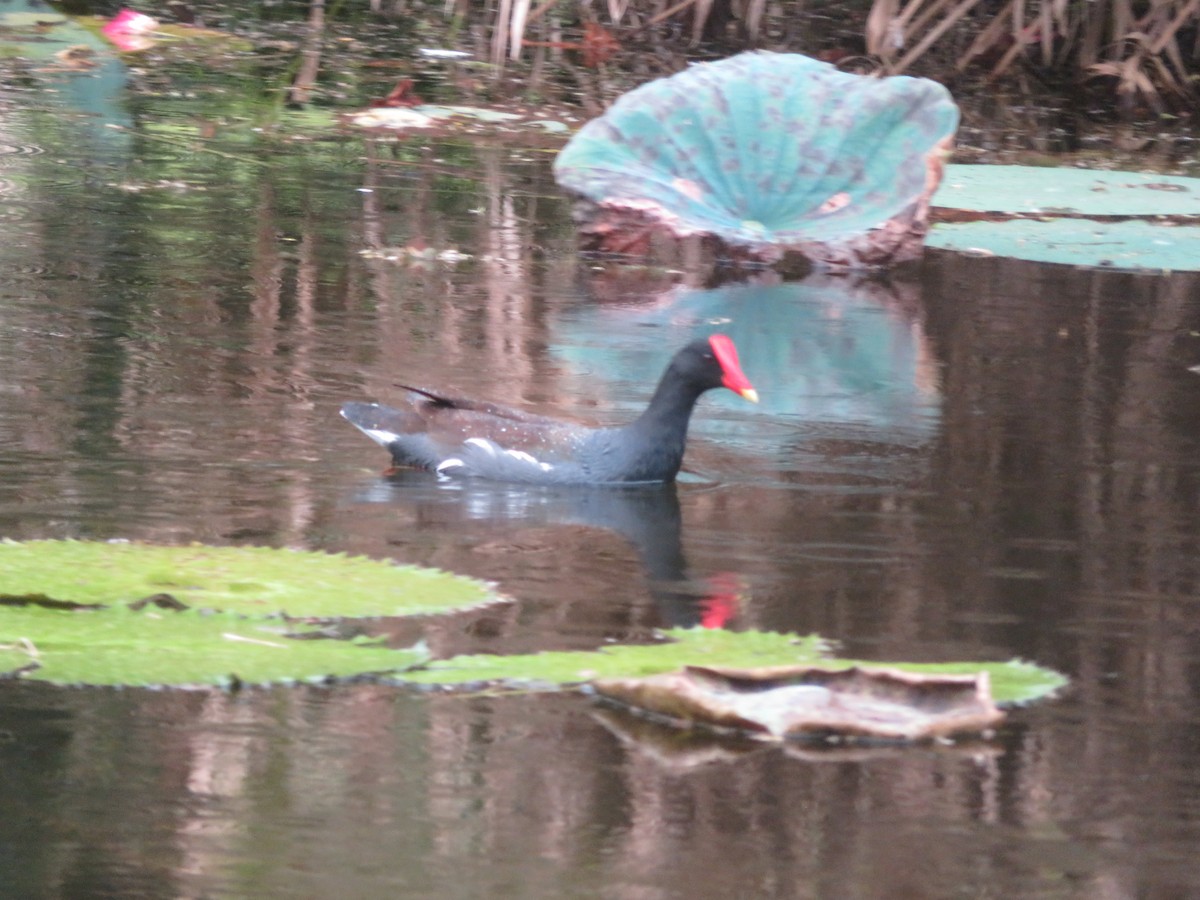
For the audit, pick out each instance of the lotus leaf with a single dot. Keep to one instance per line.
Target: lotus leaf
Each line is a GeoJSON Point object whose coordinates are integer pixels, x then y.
{"type": "Point", "coordinates": [1066, 191]}
{"type": "Point", "coordinates": [768, 152]}
{"type": "Point", "coordinates": [1081, 242]}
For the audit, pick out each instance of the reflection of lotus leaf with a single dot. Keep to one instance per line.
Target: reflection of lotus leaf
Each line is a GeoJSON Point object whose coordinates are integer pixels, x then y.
{"type": "Point", "coordinates": [823, 349]}
{"type": "Point", "coordinates": [91, 97]}
{"type": "Point", "coordinates": [1079, 242]}
{"type": "Point", "coordinates": [765, 151]}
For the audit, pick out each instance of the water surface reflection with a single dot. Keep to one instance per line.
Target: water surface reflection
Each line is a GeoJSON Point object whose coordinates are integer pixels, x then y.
{"type": "Point", "coordinates": [989, 460]}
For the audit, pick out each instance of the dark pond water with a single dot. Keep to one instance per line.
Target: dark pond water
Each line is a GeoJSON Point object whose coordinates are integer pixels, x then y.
{"type": "Point", "coordinates": [988, 460]}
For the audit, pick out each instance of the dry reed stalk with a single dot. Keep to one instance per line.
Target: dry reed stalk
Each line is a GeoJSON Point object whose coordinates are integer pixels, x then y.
{"type": "Point", "coordinates": [990, 36]}
{"type": "Point", "coordinates": [752, 15]}
{"type": "Point", "coordinates": [1138, 46]}
{"type": "Point", "coordinates": [936, 32]}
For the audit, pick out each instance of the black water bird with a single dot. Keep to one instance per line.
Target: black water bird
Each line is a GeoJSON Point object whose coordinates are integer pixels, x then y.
{"type": "Point", "coordinates": [457, 437]}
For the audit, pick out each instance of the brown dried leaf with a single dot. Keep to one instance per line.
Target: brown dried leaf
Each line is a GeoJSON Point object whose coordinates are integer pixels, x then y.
{"type": "Point", "coordinates": [807, 701]}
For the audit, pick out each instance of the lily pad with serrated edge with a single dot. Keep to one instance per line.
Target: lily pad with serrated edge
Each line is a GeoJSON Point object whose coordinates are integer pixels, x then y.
{"type": "Point", "coordinates": [258, 581]}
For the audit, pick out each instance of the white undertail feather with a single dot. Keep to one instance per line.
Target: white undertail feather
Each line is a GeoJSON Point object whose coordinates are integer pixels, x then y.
{"type": "Point", "coordinates": [447, 464]}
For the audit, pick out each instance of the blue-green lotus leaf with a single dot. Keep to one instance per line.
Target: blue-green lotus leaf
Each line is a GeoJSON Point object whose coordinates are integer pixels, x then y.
{"type": "Point", "coordinates": [1078, 242]}
{"type": "Point", "coordinates": [1066, 191]}
{"type": "Point", "coordinates": [767, 152]}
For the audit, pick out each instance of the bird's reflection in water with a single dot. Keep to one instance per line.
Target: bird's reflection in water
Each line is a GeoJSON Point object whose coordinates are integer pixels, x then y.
{"type": "Point", "coordinates": [647, 516]}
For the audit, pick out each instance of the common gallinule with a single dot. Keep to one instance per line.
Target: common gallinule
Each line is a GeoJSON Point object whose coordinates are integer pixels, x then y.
{"type": "Point", "coordinates": [457, 437]}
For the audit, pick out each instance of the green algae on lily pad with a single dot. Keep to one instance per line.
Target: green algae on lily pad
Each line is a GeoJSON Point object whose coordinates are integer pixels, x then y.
{"type": "Point", "coordinates": [1081, 242]}
{"type": "Point", "coordinates": [1012, 682]}
{"type": "Point", "coordinates": [155, 647]}
{"type": "Point", "coordinates": [258, 581]}
{"type": "Point", "coordinates": [1066, 191]}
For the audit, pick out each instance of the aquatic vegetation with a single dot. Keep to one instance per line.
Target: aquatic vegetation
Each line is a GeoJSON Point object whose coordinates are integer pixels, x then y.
{"type": "Point", "coordinates": [1055, 191]}
{"type": "Point", "coordinates": [261, 581]}
{"type": "Point", "coordinates": [76, 612]}
{"type": "Point", "coordinates": [1013, 682]}
{"type": "Point", "coordinates": [813, 702]}
{"type": "Point", "coordinates": [152, 646]}
{"type": "Point", "coordinates": [1157, 234]}
{"type": "Point", "coordinates": [1080, 242]}
{"type": "Point", "coordinates": [766, 153]}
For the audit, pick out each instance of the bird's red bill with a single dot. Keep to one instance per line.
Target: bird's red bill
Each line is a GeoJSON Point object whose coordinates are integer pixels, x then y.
{"type": "Point", "coordinates": [733, 377]}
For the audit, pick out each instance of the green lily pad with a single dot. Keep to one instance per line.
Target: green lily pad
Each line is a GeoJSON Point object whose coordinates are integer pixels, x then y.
{"type": "Point", "coordinates": [1080, 242]}
{"type": "Point", "coordinates": [248, 580]}
{"type": "Point", "coordinates": [695, 646]}
{"type": "Point", "coordinates": [1066, 191]}
{"type": "Point", "coordinates": [1012, 682]}
{"type": "Point", "coordinates": [108, 638]}
{"type": "Point", "coordinates": [151, 647]}
{"type": "Point", "coordinates": [29, 19]}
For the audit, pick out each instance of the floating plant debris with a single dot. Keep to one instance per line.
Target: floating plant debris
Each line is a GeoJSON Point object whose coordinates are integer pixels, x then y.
{"type": "Point", "coordinates": [814, 702]}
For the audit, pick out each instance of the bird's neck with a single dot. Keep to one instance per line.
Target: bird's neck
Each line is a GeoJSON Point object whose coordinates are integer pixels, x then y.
{"type": "Point", "coordinates": [670, 409]}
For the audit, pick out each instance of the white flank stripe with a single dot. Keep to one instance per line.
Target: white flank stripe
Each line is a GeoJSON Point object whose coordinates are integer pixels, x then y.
{"type": "Point", "coordinates": [484, 443]}
{"type": "Point", "coordinates": [379, 436]}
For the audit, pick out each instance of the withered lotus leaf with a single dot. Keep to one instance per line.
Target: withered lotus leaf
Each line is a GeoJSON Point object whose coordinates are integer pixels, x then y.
{"type": "Point", "coordinates": [784, 702]}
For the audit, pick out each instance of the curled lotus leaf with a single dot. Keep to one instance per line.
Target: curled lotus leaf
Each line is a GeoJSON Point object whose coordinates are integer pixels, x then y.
{"type": "Point", "coordinates": [768, 153]}
{"type": "Point", "coordinates": [814, 702]}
